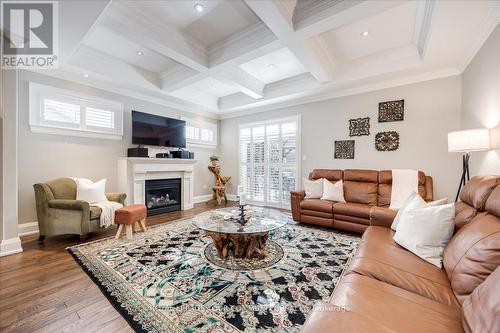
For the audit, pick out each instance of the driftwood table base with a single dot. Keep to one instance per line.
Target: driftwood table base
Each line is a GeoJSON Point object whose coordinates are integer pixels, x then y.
{"type": "Point", "coordinates": [250, 246]}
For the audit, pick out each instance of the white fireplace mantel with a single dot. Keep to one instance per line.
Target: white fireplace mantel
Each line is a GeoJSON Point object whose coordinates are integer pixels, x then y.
{"type": "Point", "coordinates": [134, 171]}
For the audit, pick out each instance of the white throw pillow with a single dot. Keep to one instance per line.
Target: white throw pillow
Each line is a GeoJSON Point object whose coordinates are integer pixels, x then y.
{"type": "Point", "coordinates": [412, 202]}
{"type": "Point", "coordinates": [333, 192]}
{"type": "Point", "coordinates": [313, 188]}
{"type": "Point", "coordinates": [426, 231]}
{"type": "Point", "coordinates": [89, 191]}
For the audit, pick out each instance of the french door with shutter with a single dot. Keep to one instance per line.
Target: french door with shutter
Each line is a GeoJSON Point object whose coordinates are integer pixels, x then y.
{"type": "Point", "coordinates": [269, 157]}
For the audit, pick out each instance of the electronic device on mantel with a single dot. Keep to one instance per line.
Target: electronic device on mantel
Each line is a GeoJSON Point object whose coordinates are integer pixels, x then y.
{"type": "Point", "coordinates": [152, 130]}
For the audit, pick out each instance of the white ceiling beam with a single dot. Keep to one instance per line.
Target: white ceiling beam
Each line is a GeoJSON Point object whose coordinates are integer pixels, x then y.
{"type": "Point", "coordinates": [246, 83]}
{"type": "Point", "coordinates": [93, 61]}
{"type": "Point", "coordinates": [81, 16]}
{"type": "Point", "coordinates": [243, 46]}
{"type": "Point", "coordinates": [110, 69]}
{"type": "Point", "coordinates": [158, 37]}
{"type": "Point", "coordinates": [276, 16]}
{"type": "Point", "coordinates": [331, 15]}
{"type": "Point", "coordinates": [224, 59]}
{"type": "Point", "coordinates": [171, 43]}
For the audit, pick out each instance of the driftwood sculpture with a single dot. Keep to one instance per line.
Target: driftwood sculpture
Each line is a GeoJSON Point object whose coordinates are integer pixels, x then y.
{"type": "Point", "coordinates": [250, 246]}
{"type": "Point", "coordinates": [219, 188]}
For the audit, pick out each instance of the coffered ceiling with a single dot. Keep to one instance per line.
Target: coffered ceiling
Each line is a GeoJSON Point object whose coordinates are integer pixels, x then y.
{"type": "Point", "coordinates": [223, 58]}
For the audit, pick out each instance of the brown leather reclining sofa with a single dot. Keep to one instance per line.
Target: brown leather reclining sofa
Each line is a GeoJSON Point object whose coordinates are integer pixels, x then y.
{"type": "Point", "coordinates": [389, 289]}
{"type": "Point", "coordinates": [367, 194]}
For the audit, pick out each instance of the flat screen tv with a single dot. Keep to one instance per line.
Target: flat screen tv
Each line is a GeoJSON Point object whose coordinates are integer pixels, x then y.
{"type": "Point", "coordinates": [151, 130]}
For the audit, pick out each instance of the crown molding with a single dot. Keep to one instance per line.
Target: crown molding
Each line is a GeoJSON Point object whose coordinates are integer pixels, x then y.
{"type": "Point", "coordinates": [386, 84]}
{"type": "Point", "coordinates": [489, 25]}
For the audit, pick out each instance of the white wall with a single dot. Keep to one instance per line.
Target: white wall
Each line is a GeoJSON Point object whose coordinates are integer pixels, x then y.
{"type": "Point", "coordinates": [43, 157]}
{"type": "Point", "coordinates": [481, 102]}
{"type": "Point", "coordinates": [432, 109]}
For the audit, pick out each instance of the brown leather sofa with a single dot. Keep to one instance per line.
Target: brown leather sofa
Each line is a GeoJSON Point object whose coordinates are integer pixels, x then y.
{"type": "Point", "coordinates": [389, 289]}
{"type": "Point", "coordinates": [367, 194]}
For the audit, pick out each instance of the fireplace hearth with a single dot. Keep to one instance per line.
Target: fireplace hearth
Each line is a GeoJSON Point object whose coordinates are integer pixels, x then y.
{"type": "Point", "coordinates": [163, 195]}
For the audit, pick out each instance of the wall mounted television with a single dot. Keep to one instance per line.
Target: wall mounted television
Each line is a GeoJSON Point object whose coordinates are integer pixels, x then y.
{"type": "Point", "coordinates": [152, 130]}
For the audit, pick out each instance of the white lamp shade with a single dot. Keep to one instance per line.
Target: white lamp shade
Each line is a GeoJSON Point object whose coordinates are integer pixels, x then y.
{"type": "Point", "coordinates": [469, 140]}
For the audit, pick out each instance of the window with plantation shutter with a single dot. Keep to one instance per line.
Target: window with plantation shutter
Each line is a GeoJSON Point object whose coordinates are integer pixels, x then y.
{"type": "Point", "coordinates": [65, 112]}
{"type": "Point", "coordinates": [61, 112]}
{"type": "Point", "coordinates": [99, 118]}
{"type": "Point", "coordinates": [200, 133]}
{"type": "Point", "coordinates": [268, 160]}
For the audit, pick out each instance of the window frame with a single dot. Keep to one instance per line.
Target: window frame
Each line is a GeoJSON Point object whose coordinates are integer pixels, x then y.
{"type": "Point", "coordinates": [201, 125]}
{"type": "Point", "coordinates": [266, 163]}
{"type": "Point", "coordinates": [39, 92]}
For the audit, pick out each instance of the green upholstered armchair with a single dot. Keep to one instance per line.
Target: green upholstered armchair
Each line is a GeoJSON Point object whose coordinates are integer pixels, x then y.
{"type": "Point", "coordinates": [59, 212]}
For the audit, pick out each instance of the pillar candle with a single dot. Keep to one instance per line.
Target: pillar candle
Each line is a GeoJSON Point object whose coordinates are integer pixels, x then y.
{"type": "Point", "coordinates": [243, 199]}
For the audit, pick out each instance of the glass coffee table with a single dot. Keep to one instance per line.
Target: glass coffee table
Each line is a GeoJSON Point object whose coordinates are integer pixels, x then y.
{"type": "Point", "coordinates": [230, 238]}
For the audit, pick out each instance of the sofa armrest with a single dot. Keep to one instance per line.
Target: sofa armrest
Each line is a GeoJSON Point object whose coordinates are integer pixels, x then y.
{"type": "Point", "coordinates": [295, 198]}
{"type": "Point", "coordinates": [69, 204]}
{"type": "Point", "coordinates": [117, 197]}
{"type": "Point", "coordinates": [382, 217]}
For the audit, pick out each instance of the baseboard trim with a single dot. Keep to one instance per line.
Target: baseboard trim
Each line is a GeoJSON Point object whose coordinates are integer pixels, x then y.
{"type": "Point", "coordinates": [207, 197]}
{"type": "Point", "coordinates": [202, 198]}
{"type": "Point", "coordinates": [25, 229]}
{"type": "Point", "coordinates": [10, 246]}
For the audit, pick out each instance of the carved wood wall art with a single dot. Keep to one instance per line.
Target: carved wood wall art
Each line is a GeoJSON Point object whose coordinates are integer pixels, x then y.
{"type": "Point", "coordinates": [391, 111]}
{"type": "Point", "coordinates": [387, 141]}
{"type": "Point", "coordinates": [344, 149]}
{"type": "Point", "coordinates": [359, 126]}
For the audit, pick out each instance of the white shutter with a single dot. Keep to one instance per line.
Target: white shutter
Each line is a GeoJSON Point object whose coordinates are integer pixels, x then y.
{"type": "Point", "coordinates": [258, 152]}
{"type": "Point", "coordinates": [200, 133]}
{"type": "Point", "coordinates": [69, 113]}
{"type": "Point", "coordinates": [207, 135]}
{"type": "Point", "coordinates": [289, 183]}
{"type": "Point", "coordinates": [268, 161]}
{"type": "Point", "coordinates": [192, 132]}
{"type": "Point", "coordinates": [99, 118]}
{"type": "Point", "coordinates": [273, 156]}
{"type": "Point", "coordinates": [60, 112]}
{"type": "Point", "coordinates": [288, 141]}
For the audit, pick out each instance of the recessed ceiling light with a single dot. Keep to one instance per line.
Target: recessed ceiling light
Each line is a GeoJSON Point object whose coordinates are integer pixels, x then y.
{"type": "Point", "coordinates": [365, 33]}
{"type": "Point", "coordinates": [140, 53]}
{"type": "Point", "coordinates": [85, 75]}
{"type": "Point", "coordinates": [198, 7]}
{"type": "Point", "coordinates": [271, 66]}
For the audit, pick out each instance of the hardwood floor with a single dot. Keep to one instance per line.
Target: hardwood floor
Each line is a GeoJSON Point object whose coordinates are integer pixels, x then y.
{"type": "Point", "coordinates": [44, 290]}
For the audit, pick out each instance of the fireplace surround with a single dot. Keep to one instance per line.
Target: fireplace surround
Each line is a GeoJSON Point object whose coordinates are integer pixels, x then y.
{"type": "Point", "coordinates": [134, 172]}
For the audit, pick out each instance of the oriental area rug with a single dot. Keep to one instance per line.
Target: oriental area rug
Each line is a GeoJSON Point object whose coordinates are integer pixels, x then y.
{"type": "Point", "coordinates": [169, 279]}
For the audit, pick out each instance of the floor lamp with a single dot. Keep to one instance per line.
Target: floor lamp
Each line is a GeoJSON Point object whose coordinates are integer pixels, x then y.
{"type": "Point", "coordinates": [467, 141]}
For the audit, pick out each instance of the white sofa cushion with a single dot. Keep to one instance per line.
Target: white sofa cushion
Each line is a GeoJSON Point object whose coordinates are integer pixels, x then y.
{"type": "Point", "coordinates": [426, 231]}
{"type": "Point", "coordinates": [333, 192]}
{"type": "Point", "coordinates": [313, 188]}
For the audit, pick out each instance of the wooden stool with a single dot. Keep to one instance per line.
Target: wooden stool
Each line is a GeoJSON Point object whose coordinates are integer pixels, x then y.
{"type": "Point", "coordinates": [129, 216]}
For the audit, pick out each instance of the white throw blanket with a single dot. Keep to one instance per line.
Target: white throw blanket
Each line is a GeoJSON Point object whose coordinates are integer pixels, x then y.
{"type": "Point", "coordinates": [108, 208]}
{"type": "Point", "coordinates": [108, 212]}
{"type": "Point", "coordinates": [404, 182]}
